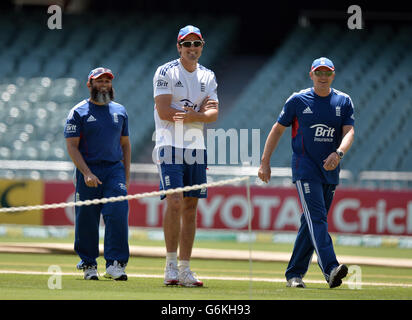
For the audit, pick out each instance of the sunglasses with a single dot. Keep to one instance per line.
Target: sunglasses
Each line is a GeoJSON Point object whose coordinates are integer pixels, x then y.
{"type": "Point", "coordinates": [188, 44]}
{"type": "Point", "coordinates": [319, 73]}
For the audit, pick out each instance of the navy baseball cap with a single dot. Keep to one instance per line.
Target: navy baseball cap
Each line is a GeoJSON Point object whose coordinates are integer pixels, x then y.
{"type": "Point", "coordinates": [95, 73]}
{"type": "Point", "coordinates": [322, 62]}
{"type": "Point", "coordinates": [185, 31]}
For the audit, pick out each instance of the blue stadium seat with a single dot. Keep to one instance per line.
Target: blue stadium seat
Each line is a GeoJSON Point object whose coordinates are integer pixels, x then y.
{"type": "Point", "coordinates": [382, 97]}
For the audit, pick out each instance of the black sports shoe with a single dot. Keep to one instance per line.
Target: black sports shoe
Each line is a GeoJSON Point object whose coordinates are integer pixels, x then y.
{"type": "Point", "coordinates": [336, 275]}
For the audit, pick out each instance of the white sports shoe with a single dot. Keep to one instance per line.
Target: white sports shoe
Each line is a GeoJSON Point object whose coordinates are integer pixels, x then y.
{"type": "Point", "coordinates": [171, 274]}
{"type": "Point", "coordinates": [90, 271]}
{"type": "Point", "coordinates": [189, 279]}
{"type": "Point", "coordinates": [116, 271]}
{"type": "Point", "coordinates": [295, 283]}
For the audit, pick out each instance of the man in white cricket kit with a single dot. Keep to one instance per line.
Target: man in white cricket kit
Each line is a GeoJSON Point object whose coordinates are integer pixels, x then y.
{"type": "Point", "coordinates": [185, 95]}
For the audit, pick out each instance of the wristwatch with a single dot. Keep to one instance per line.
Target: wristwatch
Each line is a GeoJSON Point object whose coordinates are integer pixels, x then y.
{"type": "Point", "coordinates": [340, 153]}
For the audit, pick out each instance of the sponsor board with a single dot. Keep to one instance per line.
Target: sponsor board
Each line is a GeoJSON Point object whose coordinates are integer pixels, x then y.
{"type": "Point", "coordinates": [16, 193]}
{"type": "Point", "coordinates": [274, 209]}
{"type": "Point", "coordinates": [56, 192]}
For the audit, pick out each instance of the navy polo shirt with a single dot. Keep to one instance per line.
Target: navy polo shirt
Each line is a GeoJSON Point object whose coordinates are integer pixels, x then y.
{"type": "Point", "coordinates": [316, 131]}
{"type": "Point", "coordinates": [99, 128]}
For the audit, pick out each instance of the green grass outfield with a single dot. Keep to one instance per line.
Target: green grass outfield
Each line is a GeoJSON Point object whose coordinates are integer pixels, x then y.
{"type": "Point", "coordinates": [146, 283]}
{"type": "Point", "coordinates": [25, 276]}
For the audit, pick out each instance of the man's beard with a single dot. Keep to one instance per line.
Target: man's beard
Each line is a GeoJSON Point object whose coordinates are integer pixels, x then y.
{"type": "Point", "coordinates": [102, 97]}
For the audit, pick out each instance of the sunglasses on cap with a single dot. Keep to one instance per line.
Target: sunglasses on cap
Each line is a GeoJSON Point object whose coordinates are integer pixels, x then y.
{"type": "Point", "coordinates": [188, 44]}
{"type": "Point", "coordinates": [319, 73]}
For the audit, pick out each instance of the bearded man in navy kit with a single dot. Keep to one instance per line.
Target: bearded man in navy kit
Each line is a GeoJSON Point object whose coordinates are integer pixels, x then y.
{"type": "Point", "coordinates": [97, 138]}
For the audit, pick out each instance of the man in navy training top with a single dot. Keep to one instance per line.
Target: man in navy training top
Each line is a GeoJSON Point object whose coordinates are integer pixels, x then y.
{"type": "Point", "coordinates": [97, 138]}
{"type": "Point", "coordinates": [322, 120]}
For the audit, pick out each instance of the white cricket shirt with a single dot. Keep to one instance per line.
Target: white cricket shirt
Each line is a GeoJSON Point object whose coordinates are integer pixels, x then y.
{"type": "Point", "coordinates": [188, 89]}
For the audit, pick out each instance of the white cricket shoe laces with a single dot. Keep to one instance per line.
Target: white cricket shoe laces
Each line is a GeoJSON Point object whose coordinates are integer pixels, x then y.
{"type": "Point", "coordinates": [116, 271]}
{"type": "Point", "coordinates": [295, 283]}
{"type": "Point", "coordinates": [89, 271]}
{"type": "Point", "coordinates": [187, 278]}
{"type": "Point", "coordinates": [171, 274]}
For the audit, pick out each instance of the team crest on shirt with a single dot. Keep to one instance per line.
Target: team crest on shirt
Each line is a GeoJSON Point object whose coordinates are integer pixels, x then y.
{"type": "Point", "coordinates": [338, 111]}
{"type": "Point", "coordinates": [167, 180]}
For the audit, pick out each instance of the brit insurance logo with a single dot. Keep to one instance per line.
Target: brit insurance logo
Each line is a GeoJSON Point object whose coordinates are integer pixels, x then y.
{"type": "Point", "coordinates": [162, 84]}
{"type": "Point", "coordinates": [70, 128]}
{"type": "Point", "coordinates": [323, 133]}
{"type": "Point", "coordinates": [189, 104]}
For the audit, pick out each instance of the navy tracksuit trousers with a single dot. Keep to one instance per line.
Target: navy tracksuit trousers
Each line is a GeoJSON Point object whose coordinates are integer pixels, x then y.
{"type": "Point", "coordinates": [316, 199]}
{"type": "Point", "coordinates": [115, 215]}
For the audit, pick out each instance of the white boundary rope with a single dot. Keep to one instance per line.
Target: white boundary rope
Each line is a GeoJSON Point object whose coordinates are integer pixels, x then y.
{"type": "Point", "coordinates": [153, 194]}
{"type": "Point", "coordinates": [122, 198]}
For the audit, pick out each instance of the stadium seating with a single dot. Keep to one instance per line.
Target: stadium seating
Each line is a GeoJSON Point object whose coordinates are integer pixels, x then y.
{"type": "Point", "coordinates": [44, 72]}
{"type": "Point", "coordinates": [43, 75]}
{"type": "Point", "coordinates": [373, 67]}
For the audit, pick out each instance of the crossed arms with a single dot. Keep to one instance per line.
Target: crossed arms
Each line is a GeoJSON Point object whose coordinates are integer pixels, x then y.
{"type": "Point", "coordinates": [208, 112]}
